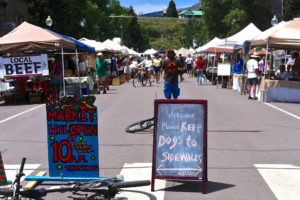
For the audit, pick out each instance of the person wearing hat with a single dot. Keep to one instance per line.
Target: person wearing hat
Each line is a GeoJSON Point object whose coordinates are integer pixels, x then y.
{"type": "Point", "coordinates": [252, 68]}
{"type": "Point", "coordinates": [102, 67]}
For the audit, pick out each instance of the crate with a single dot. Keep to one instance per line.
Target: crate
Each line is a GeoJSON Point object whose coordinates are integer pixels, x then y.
{"type": "Point", "coordinates": [116, 81]}
{"type": "Point", "coordinates": [122, 78]}
{"type": "Point", "coordinates": [9, 98]}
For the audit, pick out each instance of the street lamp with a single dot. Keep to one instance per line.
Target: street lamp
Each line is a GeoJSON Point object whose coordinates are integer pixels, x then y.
{"type": "Point", "coordinates": [49, 21]}
{"type": "Point", "coordinates": [182, 39]}
{"type": "Point", "coordinates": [274, 21]}
{"type": "Point", "coordinates": [121, 28]}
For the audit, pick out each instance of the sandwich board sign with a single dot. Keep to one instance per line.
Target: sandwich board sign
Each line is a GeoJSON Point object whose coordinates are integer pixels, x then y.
{"type": "Point", "coordinates": [72, 124]}
{"type": "Point", "coordinates": [180, 140]}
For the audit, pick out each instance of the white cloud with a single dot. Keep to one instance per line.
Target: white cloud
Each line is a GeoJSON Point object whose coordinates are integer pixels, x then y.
{"type": "Point", "coordinates": [148, 8]}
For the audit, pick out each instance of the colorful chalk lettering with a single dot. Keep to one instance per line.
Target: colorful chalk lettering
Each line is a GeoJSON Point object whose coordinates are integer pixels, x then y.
{"type": "Point", "coordinates": [72, 124]}
{"type": "Point", "coordinates": [179, 147]}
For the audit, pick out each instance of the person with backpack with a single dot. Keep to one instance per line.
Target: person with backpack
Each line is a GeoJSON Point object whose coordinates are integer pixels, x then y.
{"type": "Point", "coordinates": [171, 67]}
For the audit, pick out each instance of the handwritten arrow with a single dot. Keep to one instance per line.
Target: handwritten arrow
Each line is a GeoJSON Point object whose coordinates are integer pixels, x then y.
{"type": "Point", "coordinates": [159, 169]}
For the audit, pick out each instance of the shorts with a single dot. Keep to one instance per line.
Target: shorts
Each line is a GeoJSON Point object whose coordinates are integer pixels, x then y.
{"type": "Point", "coordinates": [171, 89]}
{"type": "Point", "coordinates": [157, 70]}
{"type": "Point", "coordinates": [189, 67]}
{"type": "Point", "coordinates": [101, 79]}
{"type": "Point", "coordinates": [253, 81]}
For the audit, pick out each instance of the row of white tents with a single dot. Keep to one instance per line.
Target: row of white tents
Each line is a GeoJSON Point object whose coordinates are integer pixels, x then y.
{"type": "Point", "coordinates": [110, 46]}
{"type": "Point", "coordinates": [116, 47]}
{"type": "Point", "coordinates": [284, 35]}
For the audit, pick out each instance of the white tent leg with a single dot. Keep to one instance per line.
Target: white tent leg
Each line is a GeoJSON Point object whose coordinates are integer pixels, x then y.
{"type": "Point", "coordinates": [78, 70]}
{"type": "Point", "coordinates": [63, 70]}
{"type": "Point", "coordinates": [266, 60]}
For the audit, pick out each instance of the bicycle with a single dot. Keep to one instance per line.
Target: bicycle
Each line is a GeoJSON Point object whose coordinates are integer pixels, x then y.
{"type": "Point", "coordinates": [140, 78]}
{"type": "Point", "coordinates": [140, 125]}
{"type": "Point", "coordinates": [101, 188]}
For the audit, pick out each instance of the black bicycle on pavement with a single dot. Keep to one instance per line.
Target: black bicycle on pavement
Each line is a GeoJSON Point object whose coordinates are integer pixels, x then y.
{"type": "Point", "coordinates": [101, 188]}
{"type": "Point", "coordinates": [140, 125]}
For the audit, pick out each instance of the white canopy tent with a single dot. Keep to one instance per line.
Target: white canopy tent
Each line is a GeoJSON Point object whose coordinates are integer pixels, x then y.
{"type": "Point", "coordinates": [213, 43]}
{"type": "Point", "coordinates": [150, 51]}
{"type": "Point", "coordinates": [192, 50]}
{"type": "Point", "coordinates": [113, 45]}
{"type": "Point", "coordinates": [97, 45]}
{"type": "Point", "coordinates": [183, 52]}
{"type": "Point", "coordinates": [248, 33]}
{"type": "Point", "coordinates": [262, 38]}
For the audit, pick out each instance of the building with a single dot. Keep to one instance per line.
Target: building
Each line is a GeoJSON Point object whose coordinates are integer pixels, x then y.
{"type": "Point", "coordinates": [12, 13]}
{"type": "Point", "coordinates": [190, 14]}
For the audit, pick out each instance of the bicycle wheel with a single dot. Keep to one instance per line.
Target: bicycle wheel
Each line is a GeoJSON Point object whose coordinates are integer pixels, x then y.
{"type": "Point", "coordinates": [135, 81]}
{"type": "Point", "coordinates": [127, 184]}
{"type": "Point", "coordinates": [140, 125]}
{"type": "Point", "coordinates": [144, 80]}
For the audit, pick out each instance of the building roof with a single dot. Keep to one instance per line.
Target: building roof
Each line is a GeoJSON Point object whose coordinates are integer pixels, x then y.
{"type": "Point", "coordinates": [191, 12]}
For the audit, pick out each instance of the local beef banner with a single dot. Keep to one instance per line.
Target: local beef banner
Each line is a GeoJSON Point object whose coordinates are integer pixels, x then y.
{"type": "Point", "coordinates": [18, 66]}
{"type": "Point", "coordinates": [180, 134]}
{"type": "Point", "coordinates": [72, 124]}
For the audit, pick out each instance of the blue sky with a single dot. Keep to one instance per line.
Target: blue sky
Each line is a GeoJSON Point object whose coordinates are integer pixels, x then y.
{"type": "Point", "coordinates": [147, 6]}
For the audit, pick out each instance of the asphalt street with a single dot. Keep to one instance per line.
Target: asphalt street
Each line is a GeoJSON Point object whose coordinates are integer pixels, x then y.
{"type": "Point", "coordinates": [241, 133]}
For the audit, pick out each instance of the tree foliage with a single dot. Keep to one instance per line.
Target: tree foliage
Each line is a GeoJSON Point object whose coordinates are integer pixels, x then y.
{"type": "Point", "coordinates": [172, 10]}
{"type": "Point", "coordinates": [291, 9]}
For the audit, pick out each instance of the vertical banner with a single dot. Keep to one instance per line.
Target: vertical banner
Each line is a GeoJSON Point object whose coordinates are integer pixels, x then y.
{"type": "Point", "coordinates": [72, 124]}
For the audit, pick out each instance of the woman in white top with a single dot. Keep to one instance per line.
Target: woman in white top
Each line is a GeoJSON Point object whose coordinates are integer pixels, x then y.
{"type": "Point", "coordinates": [148, 64]}
{"type": "Point", "coordinates": [83, 67]}
{"type": "Point", "coordinates": [189, 63]}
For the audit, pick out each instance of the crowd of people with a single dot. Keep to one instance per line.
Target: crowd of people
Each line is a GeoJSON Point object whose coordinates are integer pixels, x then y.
{"type": "Point", "coordinates": [166, 64]}
{"type": "Point", "coordinates": [256, 70]}
{"type": "Point", "coordinates": [173, 66]}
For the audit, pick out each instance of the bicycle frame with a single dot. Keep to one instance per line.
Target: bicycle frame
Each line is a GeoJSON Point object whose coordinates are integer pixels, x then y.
{"type": "Point", "coordinates": [107, 188]}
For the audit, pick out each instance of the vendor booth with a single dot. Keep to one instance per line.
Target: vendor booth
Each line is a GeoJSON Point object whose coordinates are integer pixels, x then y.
{"type": "Point", "coordinates": [283, 36]}
{"type": "Point", "coordinates": [26, 61]}
{"type": "Point", "coordinates": [76, 84]}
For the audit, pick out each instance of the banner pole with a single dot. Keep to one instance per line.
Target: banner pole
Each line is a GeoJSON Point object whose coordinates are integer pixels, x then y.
{"type": "Point", "coordinates": [63, 70]}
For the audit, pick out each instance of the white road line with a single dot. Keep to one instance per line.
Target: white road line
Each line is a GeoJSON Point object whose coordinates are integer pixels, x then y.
{"type": "Point", "coordinates": [291, 114]}
{"type": "Point", "coordinates": [283, 180]}
{"type": "Point", "coordinates": [141, 171]}
{"type": "Point", "coordinates": [31, 109]}
{"type": "Point", "coordinates": [11, 170]}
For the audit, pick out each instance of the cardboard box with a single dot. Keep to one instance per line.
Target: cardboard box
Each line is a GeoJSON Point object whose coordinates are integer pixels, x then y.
{"type": "Point", "coordinates": [116, 81]}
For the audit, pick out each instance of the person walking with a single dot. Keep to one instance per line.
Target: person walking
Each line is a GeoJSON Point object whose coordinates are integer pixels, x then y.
{"type": "Point", "coordinates": [147, 63]}
{"type": "Point", "coordinates": [200, 65]}
{"type": "Point", "coordinates": [189, 65]}
{"type": "Point", "coordinates": [56, 75]}
{"type": "Point", "coordinates": [157, 65]}
{"type": "Point", "coordinates": [171, 67]}
{"type": "Point", "coordinates": [253, 71]}
{"type": "Point", "coordinates": [102, 67]}
{"type": "Point", "coordinates": [126, 65]}
{"type": "Point", "coordinates": [181, 67]}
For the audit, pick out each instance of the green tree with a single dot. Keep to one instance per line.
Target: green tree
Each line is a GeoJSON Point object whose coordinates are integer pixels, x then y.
{"type": "Point", "coordinates": [291, 9]}
{"type": "Point", "coordinates": [134, 37]}
{"type": "Point", "coordinates": [70, 17]}
{"type": "Point", "coordinates": [171, 10]}
{"type": "Point", "coordinates": [226, 17]}
{"type": "Point", "coordinates": [214, 12]}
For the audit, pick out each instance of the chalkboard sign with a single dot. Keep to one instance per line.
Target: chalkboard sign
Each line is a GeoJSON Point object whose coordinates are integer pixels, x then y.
{"type": "Point", "coordinates": [72, 124]}
{"type": "Point", "coordinates": [179, 141]}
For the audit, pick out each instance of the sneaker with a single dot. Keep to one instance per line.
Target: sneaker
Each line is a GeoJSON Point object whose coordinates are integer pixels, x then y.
{"type": "Point", "coordinates": [98, 92]}
{"type": "Point", "coordinates": [104, 92]}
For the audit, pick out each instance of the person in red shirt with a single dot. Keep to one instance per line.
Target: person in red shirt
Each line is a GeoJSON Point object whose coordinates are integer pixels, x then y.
{"type": "Point", "coordinates": [200, 65]}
